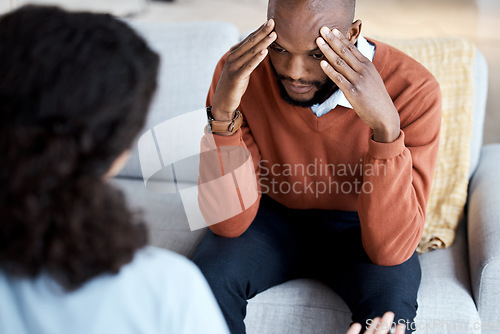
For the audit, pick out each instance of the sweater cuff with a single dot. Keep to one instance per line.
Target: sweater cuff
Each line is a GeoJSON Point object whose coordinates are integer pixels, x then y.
{"type": "Point", "coordinates": [387, 150]}
{"type": "Point", "coordinates": [232, 140]}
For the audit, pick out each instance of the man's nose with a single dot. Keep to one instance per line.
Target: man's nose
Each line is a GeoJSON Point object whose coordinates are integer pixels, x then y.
{"type": "Point", "coordinates": [296, 68]}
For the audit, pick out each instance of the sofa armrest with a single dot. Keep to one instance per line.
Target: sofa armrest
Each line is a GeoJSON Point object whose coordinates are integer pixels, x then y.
{"type": "Point", "coordinates": [484, 237]}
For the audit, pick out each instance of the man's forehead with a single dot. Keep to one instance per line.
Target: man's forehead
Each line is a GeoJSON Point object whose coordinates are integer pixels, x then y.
{"type": "Point", "coordinates": [339, 13]}
{"type": "Point", "coordinates": [299, 33]}
{"type": "Point", "coordinates": [315, 6]}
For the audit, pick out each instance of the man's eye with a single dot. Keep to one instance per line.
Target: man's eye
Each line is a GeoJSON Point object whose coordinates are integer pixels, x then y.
{"type": "Point", "coordinates": [278, 49]}
{"type": "Point", "coordinates": [318, 56]}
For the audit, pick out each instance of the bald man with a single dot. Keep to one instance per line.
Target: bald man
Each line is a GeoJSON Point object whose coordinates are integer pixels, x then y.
{"type": "Point", "coordinates": [343, 136]}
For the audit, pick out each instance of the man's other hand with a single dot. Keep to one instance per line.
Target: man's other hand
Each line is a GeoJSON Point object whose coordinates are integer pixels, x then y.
{"type": "Point", "coordinates": [361, 84]}
{"type": "Point", "coordinates": [243, 58]}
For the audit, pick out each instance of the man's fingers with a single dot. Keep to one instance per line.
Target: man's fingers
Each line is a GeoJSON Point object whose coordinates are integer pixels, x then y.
{"type": "Point", "coordinates": [239, 65]}
{"type": "Point", "coordinates": [345, 86]}
{"type": "Point", "coordinates": [355, 51]}
{"type": "Point", "coordinates": [255, 50]}
{"type": "Point", "coordinates": [235, 47]}
{"type": "Point", "coordinates": [248, 68]}
{"type": "Point", "coordinates": [254, 38]}
{"type": "Point", "coordinates": [341, 47]}
{"type": "Point", "coordinates": [337, 61]}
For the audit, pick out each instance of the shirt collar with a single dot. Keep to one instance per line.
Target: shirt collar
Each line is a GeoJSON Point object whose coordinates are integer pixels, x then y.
{"type": "Point", "coordinates": [338, 98]}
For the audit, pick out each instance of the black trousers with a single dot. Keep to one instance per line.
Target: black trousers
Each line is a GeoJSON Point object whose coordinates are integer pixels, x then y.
{"type": "Point", "coordinates": [283, 244]}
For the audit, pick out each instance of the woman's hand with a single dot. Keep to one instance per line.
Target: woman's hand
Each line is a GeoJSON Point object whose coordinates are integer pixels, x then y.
{"type": "Point", "coordinates": [379, 326]}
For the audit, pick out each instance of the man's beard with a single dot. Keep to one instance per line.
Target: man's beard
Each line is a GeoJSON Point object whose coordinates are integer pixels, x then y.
{"type": "Point", "coordinates": [324, 90]}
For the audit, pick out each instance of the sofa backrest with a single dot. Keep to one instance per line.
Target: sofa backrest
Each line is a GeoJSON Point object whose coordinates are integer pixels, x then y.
{"type": "Point", "coordinates": [480, 98]}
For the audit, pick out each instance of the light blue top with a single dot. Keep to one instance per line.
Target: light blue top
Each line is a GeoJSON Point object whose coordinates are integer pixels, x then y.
{"type": "Point", "coordinates": [158, 292]}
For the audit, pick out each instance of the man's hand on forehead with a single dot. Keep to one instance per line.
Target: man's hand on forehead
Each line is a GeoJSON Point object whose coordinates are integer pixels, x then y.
{"type": "Point", "coordinates": [242, 60]}
{"type": "Point", "coordinates": [361, 84]}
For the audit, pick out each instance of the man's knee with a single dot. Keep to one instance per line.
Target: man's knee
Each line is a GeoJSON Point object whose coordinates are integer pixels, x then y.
{"type": "Point", "coordinates": [217, 271]}
{"type": "Point", "coordinates": [404, 309]}
{"type": "Point", "coordinates": [389, 289]}
{"type": "Point", "coordinates": [383, 299]}
{"type": "Point", "coordinates": [220, 267]}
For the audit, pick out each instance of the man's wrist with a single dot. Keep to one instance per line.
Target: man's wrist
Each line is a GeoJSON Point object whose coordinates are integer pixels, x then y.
{"type": "Point", "coordinates": [388, 131]}
{"type": "Point", "coordinates": [386, 135]}
{"type": "Point", "coordinates": [220, 115]}
{"type": "Point", "coordinates": [224, 127]}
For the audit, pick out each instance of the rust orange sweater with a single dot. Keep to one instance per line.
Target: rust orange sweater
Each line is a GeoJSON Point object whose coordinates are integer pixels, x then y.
{"type": "Point", "coordinates": [331, 162]}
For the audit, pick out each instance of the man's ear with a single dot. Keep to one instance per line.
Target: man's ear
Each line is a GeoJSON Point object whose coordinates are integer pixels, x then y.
{"type": "Point", "coordinates": [354, 31]}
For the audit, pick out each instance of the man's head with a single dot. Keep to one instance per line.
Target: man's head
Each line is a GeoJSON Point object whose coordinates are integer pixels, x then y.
{"type": "Point", "coordinates": [295, 56]}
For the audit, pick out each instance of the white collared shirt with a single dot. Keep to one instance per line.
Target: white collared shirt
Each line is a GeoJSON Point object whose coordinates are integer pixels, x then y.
{"type": "Point", "coordinates": [338, 98]}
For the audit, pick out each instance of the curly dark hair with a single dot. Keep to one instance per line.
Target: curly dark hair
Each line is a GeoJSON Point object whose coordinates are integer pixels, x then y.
{"type": "Point", "coordinates": [74, 92]}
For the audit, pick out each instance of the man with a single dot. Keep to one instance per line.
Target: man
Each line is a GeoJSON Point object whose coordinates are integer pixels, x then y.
{"type": "Point", "coordinates": [343, 136]}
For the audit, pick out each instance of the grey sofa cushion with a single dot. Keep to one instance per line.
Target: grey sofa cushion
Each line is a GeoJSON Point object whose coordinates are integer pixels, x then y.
{"type": "Point", "coordinates": [297, 307]}
{"type": "Point", "coordinates": [189, 53]}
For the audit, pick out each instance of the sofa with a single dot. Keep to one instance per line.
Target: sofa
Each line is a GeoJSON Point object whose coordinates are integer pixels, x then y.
{"type": "Point", "coordinates": [460, 289]}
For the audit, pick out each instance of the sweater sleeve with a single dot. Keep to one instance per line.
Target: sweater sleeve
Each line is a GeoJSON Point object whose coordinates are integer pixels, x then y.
{"type": "Point", "coordinates": [228, 191]}
{"type": "Point", "coordinates": [397, 181]}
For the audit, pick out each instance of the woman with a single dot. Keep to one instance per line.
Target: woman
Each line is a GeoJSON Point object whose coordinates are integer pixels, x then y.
{"type": "Point", "coordinates": [74, 92]}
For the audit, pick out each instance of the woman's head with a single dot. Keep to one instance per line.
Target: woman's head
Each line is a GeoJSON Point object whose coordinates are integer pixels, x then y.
{"type": "Point", "coordinates": [74, 92]}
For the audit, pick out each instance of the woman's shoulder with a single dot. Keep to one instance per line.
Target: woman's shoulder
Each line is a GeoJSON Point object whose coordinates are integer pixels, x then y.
{"type": "Point", "coordinates": [179, 285]}
{"type": "Point", "coordinates": [156, 292]}
{"type": "Point", "coordinates": [152, 256]}
{"type": "Point", "coordinates": [160, 268]}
